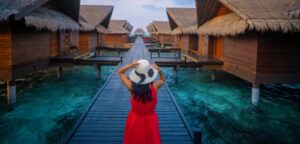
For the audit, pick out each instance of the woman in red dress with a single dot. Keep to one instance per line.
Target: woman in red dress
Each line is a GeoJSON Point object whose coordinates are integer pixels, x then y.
{"type": "Point", "coordinates": [142, 122]}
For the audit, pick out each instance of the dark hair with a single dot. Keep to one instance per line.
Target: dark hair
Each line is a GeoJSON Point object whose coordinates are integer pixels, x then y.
{"type": "Point", "coordinates": [141, 92]}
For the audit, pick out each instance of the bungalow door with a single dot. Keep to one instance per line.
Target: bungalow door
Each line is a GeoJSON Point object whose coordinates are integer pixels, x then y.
{"type": "Point", "coordinates": [218, 48]}
{"type": "Point", "coordinates": [67, 42]}
{"type": "Point", "coordinates": [54, 44]}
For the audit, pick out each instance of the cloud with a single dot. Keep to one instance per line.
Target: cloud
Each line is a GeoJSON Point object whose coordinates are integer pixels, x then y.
{"type": "Point", "coordinates": [141, 12]}
{"type": "Point", "coordinates": [153, 7]}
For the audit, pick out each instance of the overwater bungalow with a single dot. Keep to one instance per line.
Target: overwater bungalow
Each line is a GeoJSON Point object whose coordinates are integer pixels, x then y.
{"type": "Point", "coordinates": [139, 32]}
{"type": "Point", "coordinates": [151, 31]}
{"type": "Point", "coordinates": [117, 34]}
{"type": "Point", "coordinates": [94, 20]}
{"type": "Point", "coordinates": [163, 31]}
{"type": "Point", "coordinates": [258, 41]}
{"type": "Point", "coordinates": [31, 32]}
{"type": "Point", "coordinates": [183, 22]}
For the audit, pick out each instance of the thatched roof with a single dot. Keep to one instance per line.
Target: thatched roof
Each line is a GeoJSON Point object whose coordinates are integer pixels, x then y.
{"type": "Point", "coordinates": [294, 10]}
{"type": "Point", "coordinates": [117, 27]}
{"type": "Point", "coordinates": [162, 27]}
{"type": "Point", "coordinates": [139, 31]}
{"type": "Point", "coordinates": [183, 18]}
{"type": "Point", "coordinates": [12, 7]}
{"type": "Point", "coordinates": [259, 15]}
{"type": "Point", "coordinates": [44, 18]}
{"type": "Point", "coordinates": [92, 16]}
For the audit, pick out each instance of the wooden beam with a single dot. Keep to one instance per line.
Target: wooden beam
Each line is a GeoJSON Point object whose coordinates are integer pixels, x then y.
{"type": "Point", "coordinates": [28, 9]}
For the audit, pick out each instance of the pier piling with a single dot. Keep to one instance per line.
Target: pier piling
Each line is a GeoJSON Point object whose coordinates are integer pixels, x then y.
{"type": "Point", "coordinates": [59, 72]}
{"type": "Point", "coordinates": [255, 95]}
{"type": "Point", "coordinates": [98, 71]}
{"type": "Point", "coordinates": [11, 95]}
{"type": "Point", "coordinates": [197, 136]}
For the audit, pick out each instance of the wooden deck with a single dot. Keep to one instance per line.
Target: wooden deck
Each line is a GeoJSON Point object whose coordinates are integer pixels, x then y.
{"type": "Point", "coordinates": [104, 121]}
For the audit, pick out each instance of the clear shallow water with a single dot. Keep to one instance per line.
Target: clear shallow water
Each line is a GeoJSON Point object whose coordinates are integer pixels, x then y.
{"type": "Point", "coordinates": [46, 107]}
{"type": "Point", "coordinates": [222, 108]}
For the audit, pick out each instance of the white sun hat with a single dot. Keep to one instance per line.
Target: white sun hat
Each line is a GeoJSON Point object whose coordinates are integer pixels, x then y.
{"type": "Point", "coordinates": [143, 73]}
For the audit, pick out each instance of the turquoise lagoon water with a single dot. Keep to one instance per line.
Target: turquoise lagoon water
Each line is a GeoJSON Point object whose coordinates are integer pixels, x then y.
{"type": "Point", "coordinates": [222, 108]}
{"type": "Point", "coordinates": [47, 108]}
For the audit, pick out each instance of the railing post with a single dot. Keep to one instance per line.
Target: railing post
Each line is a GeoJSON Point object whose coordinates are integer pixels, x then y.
{"type": "Point", "coordinates": [197, 136]}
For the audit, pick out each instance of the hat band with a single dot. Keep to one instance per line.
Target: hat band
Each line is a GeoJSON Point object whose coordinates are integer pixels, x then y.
{"type": "Point", "coordinates": [143, 76]}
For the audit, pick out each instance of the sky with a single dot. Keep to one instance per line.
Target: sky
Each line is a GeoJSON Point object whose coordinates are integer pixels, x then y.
{"type": "Point", "coordinates": [140, 13]}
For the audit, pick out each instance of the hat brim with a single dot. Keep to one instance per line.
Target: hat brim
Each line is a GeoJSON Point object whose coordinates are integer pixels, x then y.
{"type": "Point", "coordinates": [135, 78]}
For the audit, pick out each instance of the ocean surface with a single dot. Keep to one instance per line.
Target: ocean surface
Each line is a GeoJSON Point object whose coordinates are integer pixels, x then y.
{"type": "Point", "coordinates": [46, 107]}
{"type": "Point", "coordinates": [222, 108]}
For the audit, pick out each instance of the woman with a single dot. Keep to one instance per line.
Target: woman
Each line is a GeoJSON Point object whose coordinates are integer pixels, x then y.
{"type": "Point", "coordinates": [142, 122]}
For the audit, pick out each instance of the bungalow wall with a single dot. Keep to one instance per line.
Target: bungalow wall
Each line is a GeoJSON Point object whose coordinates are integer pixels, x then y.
{"type": "Point", "coordinates": [5, 52]}
{"type": "Point", "coordinates": [278, 58]}
{"type": "Point", "coordinates": [177, 41]}
{"type": "Point", "coordinates": [203, 49]}
{"type": "Point", "coordinates": [240, 55]}
{"type": "Point", "coordinates": [166, 39]}
{"type": "Point", "coordinates": [184, 42]}
{"type": "Point", "coordinates": [189, 43]}
{"type": "Point", "coordinates": [23, 50]}
{"type": "Point", "coordinates": [263, 58]}
{"type": "Point", "coordinates": [115, 40]}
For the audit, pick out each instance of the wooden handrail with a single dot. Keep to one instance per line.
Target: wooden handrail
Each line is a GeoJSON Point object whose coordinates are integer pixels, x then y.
{"type": "Point", "coordinates": [193, 59]}
{"type": "Point", "coordinates": [81, 56]}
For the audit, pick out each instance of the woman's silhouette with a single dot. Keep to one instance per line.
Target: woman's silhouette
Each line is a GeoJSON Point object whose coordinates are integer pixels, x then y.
{"type": "Point", "coordinates": [142, 122]}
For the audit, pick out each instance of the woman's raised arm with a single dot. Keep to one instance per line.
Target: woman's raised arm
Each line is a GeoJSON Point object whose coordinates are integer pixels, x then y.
{"type": "Point", "coordinates": [124, 77]}
{"type": "Point", "coordinates": [157, 84]}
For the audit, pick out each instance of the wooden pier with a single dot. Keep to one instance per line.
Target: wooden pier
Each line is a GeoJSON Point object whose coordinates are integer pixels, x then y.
{"type": "Point", "coordinates": [104, 121]}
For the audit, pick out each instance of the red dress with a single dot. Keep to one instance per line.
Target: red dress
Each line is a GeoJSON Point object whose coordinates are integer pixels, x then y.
{"type": "Point", "coordinates": [142, 122]}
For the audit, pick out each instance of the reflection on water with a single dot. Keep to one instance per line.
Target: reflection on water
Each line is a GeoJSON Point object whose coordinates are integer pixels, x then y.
{"type": "Point", "coordinates": [46, 107]}
{"type": "Point", "coordinates": [222, 108]}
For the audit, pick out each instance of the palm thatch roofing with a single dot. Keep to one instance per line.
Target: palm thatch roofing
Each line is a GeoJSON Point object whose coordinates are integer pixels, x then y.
{"type": "Point", "coordinates": [12, 7]}
{"type": "Point", "coordinates": [117, 27]}
{"type": "Point", "coordinates": [259, 15]}
{"type": "Point", "coordinates": [294, 10]}
{"type": "Point", "coordinates": [44, 18]}
{"type": "Point", "coordinates": [95, 17]}
{"type": "Point", "coordinates": [182, 20]}
{"type": "Point", "coordinates": [162, 27]}
{"type": "Point", "coordinates": [139, 31]}
{"type": "Point", "coordinates": [35, 14]}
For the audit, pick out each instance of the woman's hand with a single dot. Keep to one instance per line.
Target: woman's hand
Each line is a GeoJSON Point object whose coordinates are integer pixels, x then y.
{"type": "Point", "coordinates": [156, 67]}
{"type": "Point", "coordinates": [134, 64]}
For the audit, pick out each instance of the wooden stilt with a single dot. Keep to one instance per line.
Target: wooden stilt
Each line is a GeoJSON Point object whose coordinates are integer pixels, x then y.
{"type": "Point", "coordinates": [255, 96]}
{"type": "Point", "coordinates": [11, 95]}
{"type": "Point", "coordinates": [59, 72]}
{"type": "Point", "coordinates": [158, 54]}
{"type": "Point", "coordinates": [213, 76]}
{"type": "Point", "coordinates": [175, 69]}
{"type": "Point", "coordinates": [98, 71]}
{"type": "Point", "coordinates": [197, 136]}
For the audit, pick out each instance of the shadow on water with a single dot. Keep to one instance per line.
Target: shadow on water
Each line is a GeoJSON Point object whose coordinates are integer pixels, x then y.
{"type": "Point", "coordinates": [47, 108]}
{"type": "Point", "coordinates": [222, 108]}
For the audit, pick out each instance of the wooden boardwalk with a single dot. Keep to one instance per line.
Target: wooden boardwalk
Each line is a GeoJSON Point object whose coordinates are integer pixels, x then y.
{"type": "Point", "coordinates": [104, 121]}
